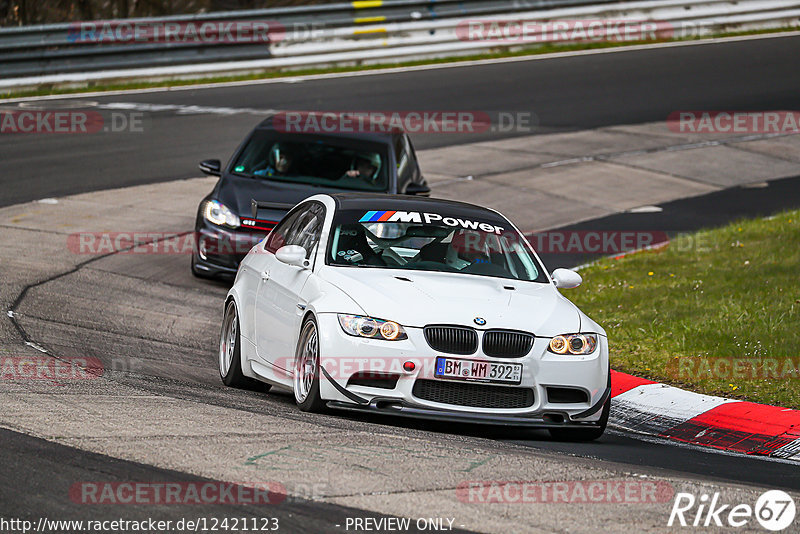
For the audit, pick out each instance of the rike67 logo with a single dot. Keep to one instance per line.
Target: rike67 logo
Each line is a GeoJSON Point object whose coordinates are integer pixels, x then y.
{"type": "Point", "coordinates": [774, 510]}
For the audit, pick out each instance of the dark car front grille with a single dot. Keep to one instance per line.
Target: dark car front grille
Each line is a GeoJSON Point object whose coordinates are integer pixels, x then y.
{"type": "Point", "coordinates": [452, 339]}
{"type": "Point", "coordinates": [507, 343]}
{"type": "Point", "coordinates": [473, 395]}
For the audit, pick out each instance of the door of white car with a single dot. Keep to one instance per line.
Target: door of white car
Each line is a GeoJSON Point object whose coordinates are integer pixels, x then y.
{"type": "Point", "coordinates": [264, 302]}
{"type": "Point", "coordinates": [279, 306]}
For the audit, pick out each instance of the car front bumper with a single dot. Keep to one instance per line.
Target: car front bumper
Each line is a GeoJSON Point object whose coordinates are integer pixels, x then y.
{"type": "Point", "coordinates": [219, 251]}
{"type": "Point", "coordinates": [343, 356]}
{"type": "Point", "coordinates": [550, 419]}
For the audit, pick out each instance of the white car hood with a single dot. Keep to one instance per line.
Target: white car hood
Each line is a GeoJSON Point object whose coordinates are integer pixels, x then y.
{"type": "Point", "coordinates": [418, 298]}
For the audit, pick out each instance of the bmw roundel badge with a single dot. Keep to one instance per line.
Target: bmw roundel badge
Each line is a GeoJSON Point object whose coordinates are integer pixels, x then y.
{"type": "Point", "coordinates": [480, 321]}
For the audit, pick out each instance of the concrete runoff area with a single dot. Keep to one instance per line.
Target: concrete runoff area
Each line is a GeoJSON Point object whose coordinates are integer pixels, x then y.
{"type": "Point", "coordinates": [154, 328]}
{"type": "Point", "coordinates": [548, 181]}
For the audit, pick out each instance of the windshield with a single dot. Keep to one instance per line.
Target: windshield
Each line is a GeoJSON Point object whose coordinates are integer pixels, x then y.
{"type": "Point", "coordinates": [340, 164]}
{"type": "Point", "coordinates": [431, 242]}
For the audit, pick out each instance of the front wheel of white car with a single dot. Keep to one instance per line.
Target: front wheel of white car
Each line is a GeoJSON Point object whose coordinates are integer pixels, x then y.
{"type": "Point", "coordinates": [306, 369]}
{"type": "Point", "coordinates": [230, 353]}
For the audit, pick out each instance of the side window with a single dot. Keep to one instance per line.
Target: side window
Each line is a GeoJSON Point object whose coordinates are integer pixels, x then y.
{"type": "Point", "coordinates": [278, 236]}
{"type": "Point", "coordinates": [307, 228]}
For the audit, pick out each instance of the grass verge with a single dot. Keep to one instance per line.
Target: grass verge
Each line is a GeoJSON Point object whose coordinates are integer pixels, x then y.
{"type": "Point", "coordinates": [546, 48]}
{"type": "Point", "coordinates": [716, 312]}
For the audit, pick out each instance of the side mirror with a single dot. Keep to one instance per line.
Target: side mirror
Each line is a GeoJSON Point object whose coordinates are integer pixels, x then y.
{"type": "Point", "coordinates": [566, 278]}
{"type": "Point", "coordinates": [212, 167]}
{"type": "Point", "coordinates": [292, 255]}
{"type": "Point", "coordinates": [415, 188]}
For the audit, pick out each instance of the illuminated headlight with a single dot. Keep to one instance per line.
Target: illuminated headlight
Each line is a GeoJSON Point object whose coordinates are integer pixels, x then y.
{"type": "Point", "coordinates": [218, 213]}
{"type": "Point", "coordinates": [360, 326]}
{"type": "Point", "coordinates": [574, 344]}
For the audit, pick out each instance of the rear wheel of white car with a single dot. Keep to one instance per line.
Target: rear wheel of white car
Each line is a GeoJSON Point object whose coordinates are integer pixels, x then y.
{"type": "Point", "coordinates": [230, 353]}
{"type": "Point", "coordinates": [584, 434]}
{"type": "Point", "coordinates": [306, 369]}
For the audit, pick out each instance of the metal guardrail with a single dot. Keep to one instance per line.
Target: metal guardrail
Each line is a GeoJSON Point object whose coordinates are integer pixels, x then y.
{"type": "Point", "coordinates": [56, 48]}
{"type": "Point", "coordinates": [685, 18]}
{"type": "Point", "coordinates": [360, 32]}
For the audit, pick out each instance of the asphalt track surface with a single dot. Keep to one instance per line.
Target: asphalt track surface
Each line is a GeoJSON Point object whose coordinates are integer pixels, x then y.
{"type": "Point", "coordinates": [569, 93]}
{"type": "Point", "coordinates": [52, 469]}
{"type": "Point", "coordinates": [35, 475]}
{"type": "Point", "coordinates": [626, 87]}
{"type": "Point", "coordinates": [182, 380]}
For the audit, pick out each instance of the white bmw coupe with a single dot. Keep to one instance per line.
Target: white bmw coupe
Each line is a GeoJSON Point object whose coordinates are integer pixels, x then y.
{"type": "Point", "coordinates": [418, 307]}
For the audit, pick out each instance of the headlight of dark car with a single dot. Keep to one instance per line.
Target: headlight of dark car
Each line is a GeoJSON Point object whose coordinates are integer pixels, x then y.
{"type": "Point", "coordinates": [218, 213]}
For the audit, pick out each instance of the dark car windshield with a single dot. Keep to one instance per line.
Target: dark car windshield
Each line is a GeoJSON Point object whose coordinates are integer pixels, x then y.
{"type": "Point", "coordinates": [431, 242]}
{"type": "Point", "coordinates": [329, 162]}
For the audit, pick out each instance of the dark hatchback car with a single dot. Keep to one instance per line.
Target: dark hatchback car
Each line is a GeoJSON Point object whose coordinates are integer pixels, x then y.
{"type": "Point", "coordinates": [272, 170]}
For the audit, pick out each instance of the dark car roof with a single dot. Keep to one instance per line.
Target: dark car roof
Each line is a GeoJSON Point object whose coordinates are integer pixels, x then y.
{"type": "Point", "coordinates": [378, 136]}
{"type": "Point", "coordinates": [380, 202]}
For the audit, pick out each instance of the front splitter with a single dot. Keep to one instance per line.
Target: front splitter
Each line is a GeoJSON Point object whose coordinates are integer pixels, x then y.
{"type": "Point", "coordinates": [403, 409]}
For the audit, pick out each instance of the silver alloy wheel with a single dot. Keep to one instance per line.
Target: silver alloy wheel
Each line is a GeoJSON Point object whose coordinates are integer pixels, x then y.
{"type": "Point", "coordinates": [227, 342]}
{"type": "Point", "coordinates": [305, 363]}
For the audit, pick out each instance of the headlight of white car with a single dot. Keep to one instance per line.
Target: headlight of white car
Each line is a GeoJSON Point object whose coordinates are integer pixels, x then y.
{"type": "Point", "coordinates": [361, 326]}
{"type": "Point", "coordinates": [576, 344]}
{"type": "Point", "coordinates": [218, 213]}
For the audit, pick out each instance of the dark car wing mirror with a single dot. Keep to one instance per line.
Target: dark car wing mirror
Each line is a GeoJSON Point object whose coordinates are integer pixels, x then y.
{"type": "Point", "coordinates": [415, 188]}
{"type": "Point", "coordinates": [211, 167]}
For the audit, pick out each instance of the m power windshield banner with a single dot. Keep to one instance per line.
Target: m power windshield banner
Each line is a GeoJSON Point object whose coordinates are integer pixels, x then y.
{"type": "Point", "coordinates": [429, 218]}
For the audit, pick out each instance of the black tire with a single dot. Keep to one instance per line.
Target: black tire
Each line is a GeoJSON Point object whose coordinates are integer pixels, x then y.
{"type": "Point", "coordinates": [306, 388]}
{"type": "Point", "coordinates": [584, 434]}
{"type": "Point", "coordinates": [230, 354]}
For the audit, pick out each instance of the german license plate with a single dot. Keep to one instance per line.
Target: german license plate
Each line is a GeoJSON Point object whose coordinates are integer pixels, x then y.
{"type": "Point", "coordinates": [502, 373]}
